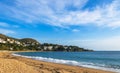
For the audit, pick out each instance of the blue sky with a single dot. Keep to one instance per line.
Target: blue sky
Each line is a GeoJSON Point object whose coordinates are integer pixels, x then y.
{"type": "Point", "coordinates": [92, 24]}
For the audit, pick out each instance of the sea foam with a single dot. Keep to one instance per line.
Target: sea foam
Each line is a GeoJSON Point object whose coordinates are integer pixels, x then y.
{"type": "Point", "coordinates": [71, 62]}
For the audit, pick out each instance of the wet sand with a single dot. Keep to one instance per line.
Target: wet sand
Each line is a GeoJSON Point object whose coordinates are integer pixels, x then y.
{"type": "Point", "coordinates": [15, 64]}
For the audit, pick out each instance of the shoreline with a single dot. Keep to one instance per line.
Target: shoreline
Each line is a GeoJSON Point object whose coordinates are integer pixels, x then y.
{"type": "Point", "coordinates": [37, 66]}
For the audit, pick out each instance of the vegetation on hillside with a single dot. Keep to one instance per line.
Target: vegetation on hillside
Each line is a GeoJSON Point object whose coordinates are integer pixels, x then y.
{"type": "Point", "coordinates": [13, 44]}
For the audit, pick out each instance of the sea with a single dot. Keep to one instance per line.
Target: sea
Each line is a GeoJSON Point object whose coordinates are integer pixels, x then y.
{"type": "Point", "coordinates": [103, 60]}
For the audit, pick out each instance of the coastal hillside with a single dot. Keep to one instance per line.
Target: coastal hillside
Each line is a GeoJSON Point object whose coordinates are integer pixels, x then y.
{"type": "Point", "coordinates": [14, 44]}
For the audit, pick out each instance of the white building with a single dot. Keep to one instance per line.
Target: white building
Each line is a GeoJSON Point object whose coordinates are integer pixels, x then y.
{"type": "Point", "coordinates": [17, 42]}
{"type": "Point", "coordinates": [11, 48]}
{"type": "Point", "coordinates": [65, 47]}
{"type": "Point", "coordinates": [8, 40]}
{"type": "Point", "coordinates": [50, 47]}
{"type": "Point", "coordinates": [12, 41]}
{"type": "Point", "coordinates": [1, 40]}
{"type": "Point", "coordinates": [56, 46]}
{"type": "Point", "coordinates": [45, 47]}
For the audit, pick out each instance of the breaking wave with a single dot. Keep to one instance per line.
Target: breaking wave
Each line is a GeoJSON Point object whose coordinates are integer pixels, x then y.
{"type": "Point", "coordinates": [74, 63]}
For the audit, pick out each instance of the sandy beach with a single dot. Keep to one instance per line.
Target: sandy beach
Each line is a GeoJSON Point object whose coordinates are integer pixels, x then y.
{"type": "Point", "coordinates": [15, 64]}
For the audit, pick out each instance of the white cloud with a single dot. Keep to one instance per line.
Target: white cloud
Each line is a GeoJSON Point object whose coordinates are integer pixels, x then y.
{"type": "Point", "coordinates": [6, 25]}
{"type": "Point", "coordinates": [2, 24]}
{"type": "Point", "coordinates": [6, 31]}
{"type": "Point", "coordinates": [75, 30]}
{"type": "Point", "coordinates": [59, 13]}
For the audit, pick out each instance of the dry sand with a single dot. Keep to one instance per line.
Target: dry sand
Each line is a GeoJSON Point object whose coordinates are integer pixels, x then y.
{"type": "Point", "coordinates": [14, 64]}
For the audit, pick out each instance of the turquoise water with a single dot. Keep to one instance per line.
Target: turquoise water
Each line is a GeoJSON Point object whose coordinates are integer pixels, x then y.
{"type": "Point", "coordinates": [106, 60]}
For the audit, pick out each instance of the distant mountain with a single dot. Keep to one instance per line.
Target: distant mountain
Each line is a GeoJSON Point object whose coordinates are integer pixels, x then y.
{"type": "Point", "coordinates": [9, 43]}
